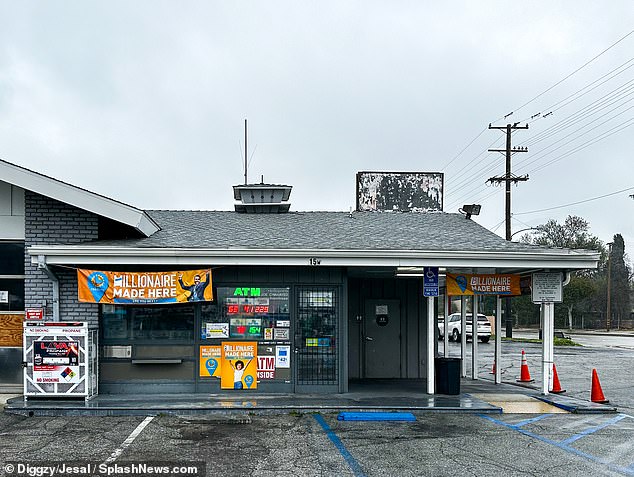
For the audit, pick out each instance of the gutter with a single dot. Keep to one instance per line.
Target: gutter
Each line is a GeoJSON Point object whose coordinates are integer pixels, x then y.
{"type": "Point", "coordinates": [74, 255]}
{"type": "Point", "coordinates": [41, 265]}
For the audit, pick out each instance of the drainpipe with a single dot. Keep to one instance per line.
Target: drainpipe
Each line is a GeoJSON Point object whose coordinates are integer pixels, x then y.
{"type": "Point", "coordinates": [41, 265]}
{"type": "Point", "coordinates": [567, 279]}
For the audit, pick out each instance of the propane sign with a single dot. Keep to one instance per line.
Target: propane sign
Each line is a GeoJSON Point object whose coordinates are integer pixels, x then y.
{"type": "Point", "coordinates": [55, 361]}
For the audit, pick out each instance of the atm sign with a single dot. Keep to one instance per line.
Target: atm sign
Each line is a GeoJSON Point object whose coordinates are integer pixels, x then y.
{"type": "Point", "coordinates": [266, 367]}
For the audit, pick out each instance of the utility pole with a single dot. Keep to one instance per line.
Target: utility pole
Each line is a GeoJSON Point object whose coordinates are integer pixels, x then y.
{"type": "Point", "coordinates": [508, 178]}
{"type": "Point", "coordinates": [608, 319]}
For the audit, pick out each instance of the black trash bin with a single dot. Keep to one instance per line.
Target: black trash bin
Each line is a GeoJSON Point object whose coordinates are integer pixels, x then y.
{"type": "Point", "coordinates": [448, 375]}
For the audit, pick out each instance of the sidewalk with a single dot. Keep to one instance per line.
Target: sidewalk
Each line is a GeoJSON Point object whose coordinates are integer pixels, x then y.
{"type": "Point", "coordinates": [621, 333]}
{"type": "Point", "coordinates": [479, 396]}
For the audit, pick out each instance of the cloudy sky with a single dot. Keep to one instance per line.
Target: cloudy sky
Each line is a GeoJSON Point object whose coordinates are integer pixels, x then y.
{"type": "Point", "coordinates": [145, 101]}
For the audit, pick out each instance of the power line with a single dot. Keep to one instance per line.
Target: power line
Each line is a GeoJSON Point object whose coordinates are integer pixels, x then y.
{"type": "Point", "coordinates": [605, 134]}
{"type": "Point", "coordinates": [576, 71]}
{"type": "Point", "coordinates": [464, 149]}
{"type": "Point", "coordinates": [553, 108]}
{"type": "Point", "coordinates": [525, 163]}
{"type": "Point", "coordinates": [574, 203]}
{"type": "Point", "coordinates": [587, 111]}
{"type": "Point", "coordinates": [623, 67]}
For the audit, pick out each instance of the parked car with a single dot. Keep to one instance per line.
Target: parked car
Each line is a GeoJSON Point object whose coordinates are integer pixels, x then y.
{"type": "Point", "coordinates": [484, 328]}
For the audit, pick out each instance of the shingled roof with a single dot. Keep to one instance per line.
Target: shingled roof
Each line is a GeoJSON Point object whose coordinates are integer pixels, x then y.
{"type": "Point", "coordinates": [319, 230]}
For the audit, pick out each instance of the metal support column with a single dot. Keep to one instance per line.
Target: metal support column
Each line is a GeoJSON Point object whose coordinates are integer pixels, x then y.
{"type": "Point", "coordinates": [446, 319]}
{"type": "Point", "coordinates": [548, 320]}
{"type": "Point", "coordinates": [431, 339]}
{"type": "Point", "coordinates": [498, 340]}
{"type": "Point", "coordinates": [463, 335]}
{"type": "Point", "coordinates": [474, 338]}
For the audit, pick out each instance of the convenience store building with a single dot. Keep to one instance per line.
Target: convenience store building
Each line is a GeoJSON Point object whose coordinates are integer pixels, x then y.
{"type": "Point", "coordinates": [324, 295]}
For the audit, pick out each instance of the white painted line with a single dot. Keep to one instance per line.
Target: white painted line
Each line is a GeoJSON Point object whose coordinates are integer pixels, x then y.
{"type": "Point", "coordinates": [135, 433]}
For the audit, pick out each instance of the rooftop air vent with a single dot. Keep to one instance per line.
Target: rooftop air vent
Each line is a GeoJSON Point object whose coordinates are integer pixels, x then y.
{"type": "Point", "coordinates": [262, 198]}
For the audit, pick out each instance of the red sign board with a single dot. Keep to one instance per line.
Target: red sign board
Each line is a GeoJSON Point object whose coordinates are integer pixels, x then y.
{"type": "Point", "coordinates": [34, 314]}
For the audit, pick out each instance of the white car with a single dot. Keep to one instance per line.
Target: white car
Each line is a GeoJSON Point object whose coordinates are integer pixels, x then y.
{"type": "Point", "coordinates": [484, 328]}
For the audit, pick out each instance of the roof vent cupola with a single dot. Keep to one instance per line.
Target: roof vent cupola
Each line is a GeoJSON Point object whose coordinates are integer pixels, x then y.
{"type": "Point", "coordinates": [262, 198]}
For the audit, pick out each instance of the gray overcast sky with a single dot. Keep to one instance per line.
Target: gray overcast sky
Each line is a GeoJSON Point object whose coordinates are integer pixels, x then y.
{"type": "Point", "coordinates": [145, 101]}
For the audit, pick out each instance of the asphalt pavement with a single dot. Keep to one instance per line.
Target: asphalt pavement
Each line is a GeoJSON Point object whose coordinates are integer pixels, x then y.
{"type": "Point", "coordinates": [318, 444]}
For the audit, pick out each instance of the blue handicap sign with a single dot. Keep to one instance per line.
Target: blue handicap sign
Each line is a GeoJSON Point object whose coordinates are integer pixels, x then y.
{"type": "Point", "coordinates": [430, 281]}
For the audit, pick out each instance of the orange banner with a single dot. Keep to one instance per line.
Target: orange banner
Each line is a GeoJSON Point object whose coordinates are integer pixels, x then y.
{"type": "Point", "coordinates": [96, 286]}
{"type": "Point", "coordinates": [463, 284]}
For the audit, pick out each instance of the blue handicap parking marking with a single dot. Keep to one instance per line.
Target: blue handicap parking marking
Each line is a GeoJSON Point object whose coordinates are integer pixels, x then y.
{"type": "Point", "coordinates": [594, 429]}
{"type": "Point", "coordinates": [564, 445]}
{"type": "Point", "coordinates": [350, 460]}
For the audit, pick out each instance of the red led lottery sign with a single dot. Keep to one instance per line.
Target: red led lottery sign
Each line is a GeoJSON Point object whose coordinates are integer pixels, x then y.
{"type": "Point", "coordinates": [233, 309]}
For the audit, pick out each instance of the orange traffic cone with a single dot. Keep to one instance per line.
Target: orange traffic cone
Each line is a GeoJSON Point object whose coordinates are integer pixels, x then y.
{"type": "Point", "coordinates": [493, 370]}
{"type": "Point", "coordinates": [596, 395]}
{"type": "Point", "coordinates": [556, 385]}
{"type": "Point", "coordinates": [525, 375]}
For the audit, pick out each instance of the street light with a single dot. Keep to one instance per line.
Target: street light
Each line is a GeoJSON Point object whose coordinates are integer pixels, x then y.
{"type": "Point", "coordinates": [523, 230]}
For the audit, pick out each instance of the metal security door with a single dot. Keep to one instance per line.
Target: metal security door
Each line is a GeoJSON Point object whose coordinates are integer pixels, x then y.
{"type": "Point", "coordinates": [382, 339]}
{"type": "Point", "coordinates": [316, 338]}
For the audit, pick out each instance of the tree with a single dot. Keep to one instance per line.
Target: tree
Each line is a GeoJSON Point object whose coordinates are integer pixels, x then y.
{"type": "Point", "coordinates": [573, 233]}
{"type": "Point", "coordinates": [579, 294]}
{"type": "Point", "coordinates": [583, 291]}
{"type": "Point", "coordinates": [619, 280]}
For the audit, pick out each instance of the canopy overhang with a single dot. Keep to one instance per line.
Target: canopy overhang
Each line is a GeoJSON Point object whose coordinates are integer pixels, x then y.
{"type": "Point", "coordinates": [498, 260]}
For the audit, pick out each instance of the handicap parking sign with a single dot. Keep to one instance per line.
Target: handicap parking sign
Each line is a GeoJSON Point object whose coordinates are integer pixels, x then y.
{"type": "Point", "coordinates": [430, 281]}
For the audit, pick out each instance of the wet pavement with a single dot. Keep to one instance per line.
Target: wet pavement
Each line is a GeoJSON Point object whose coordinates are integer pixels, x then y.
{"type": "Point", "coordinates": [477, 396]}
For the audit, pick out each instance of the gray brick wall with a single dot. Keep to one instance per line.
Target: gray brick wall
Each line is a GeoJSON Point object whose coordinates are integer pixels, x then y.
{"type": "Point", "coordinates": [50, 222]}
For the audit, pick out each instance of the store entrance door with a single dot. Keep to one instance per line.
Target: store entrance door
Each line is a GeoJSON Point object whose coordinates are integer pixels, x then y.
{"type": "Point", "coordinates": [382, 339]}
{"type": "Point", "coordinates": [316, 338]}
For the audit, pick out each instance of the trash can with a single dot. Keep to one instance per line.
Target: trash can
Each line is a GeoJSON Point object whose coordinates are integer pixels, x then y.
{"type": "Point", "coordinates": [448, 375]}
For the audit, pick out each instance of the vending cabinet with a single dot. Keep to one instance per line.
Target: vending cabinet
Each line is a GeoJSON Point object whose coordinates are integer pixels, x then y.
{"type": "Point", "coordinates": [60, 359]}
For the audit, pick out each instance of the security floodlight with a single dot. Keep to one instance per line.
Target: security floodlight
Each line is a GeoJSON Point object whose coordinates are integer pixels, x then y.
{"type": "Point", "coordinates": [470, 209]}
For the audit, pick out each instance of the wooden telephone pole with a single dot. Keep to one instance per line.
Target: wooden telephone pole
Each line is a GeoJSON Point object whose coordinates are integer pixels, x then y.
{"type": "Point", "coordinates": [508, 178]}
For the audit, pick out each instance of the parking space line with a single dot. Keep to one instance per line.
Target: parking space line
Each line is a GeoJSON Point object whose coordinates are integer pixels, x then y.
{"type": "Point", "coordinates": [528, 421]}
{"type": "Point", "coordinates": [351, 461]}
{"type": "Point", "coordinates": [564, 447]}
{"type": "Point", "coordinates": [135, 433]}
{"type": "Point", "coordinates": [592, 430]}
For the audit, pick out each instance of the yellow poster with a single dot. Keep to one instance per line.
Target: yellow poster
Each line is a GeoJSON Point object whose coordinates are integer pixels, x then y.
{"type": "Point", "coordinates": [209, 363]}
{"type": "Point", "coordinates": [463, 284]}
{"type": "Point", "coordinates": [96, 286]}
{"type": "Point", "coordinates": [239, 365]}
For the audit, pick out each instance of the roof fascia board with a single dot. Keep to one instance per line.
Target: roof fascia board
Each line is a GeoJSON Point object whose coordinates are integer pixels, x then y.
{"type": "Point", "coordinates": [69, 255]}
{"type": "Point", "coordinates": [75, 196]}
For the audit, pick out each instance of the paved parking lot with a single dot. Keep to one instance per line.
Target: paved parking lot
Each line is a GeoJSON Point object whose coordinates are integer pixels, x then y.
{"type": "Point", "coordinates": [438, 444]}
{"type": "Point", "coordinates": [613, 357]}
{"type": "Point", "coordinates": [320, 445]}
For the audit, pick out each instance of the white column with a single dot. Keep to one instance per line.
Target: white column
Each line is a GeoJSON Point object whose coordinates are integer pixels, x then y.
{"type": "Point", "coordinates": [498, 340]}
{"type": "Point", "coordinates": [431, 338]}
{"type": "Point", "coordinates": [548, 331]}
{"type": "Point", "coordinates": [446, 318]}
{"type": "Point", "coordinates": [463, 335]}
{"type": "Point", "coordinates": [474, 338]}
